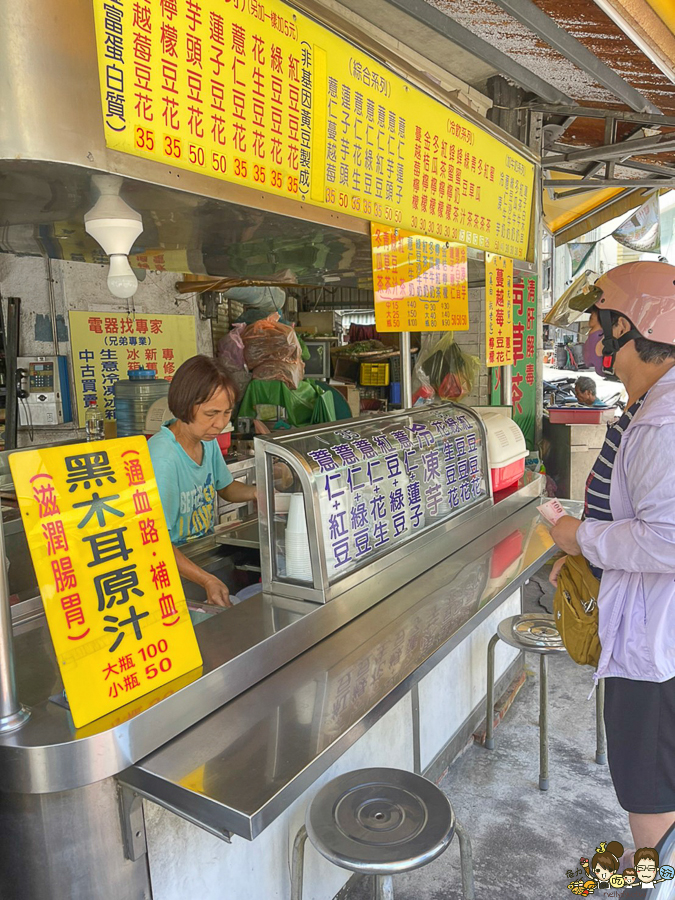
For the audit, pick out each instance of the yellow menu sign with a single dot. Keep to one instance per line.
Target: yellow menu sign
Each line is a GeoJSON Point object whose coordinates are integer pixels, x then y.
{"type": "Point", "coordinates": [107, 345]}
{"type": "Point", "coordinates": [498, 310]}
{"type": "Point", "coordinates": [420, 283]}
{"type": "Point", "coordinates": [257, 94]}
{"type": "Point", "coordinates": [107, 575]}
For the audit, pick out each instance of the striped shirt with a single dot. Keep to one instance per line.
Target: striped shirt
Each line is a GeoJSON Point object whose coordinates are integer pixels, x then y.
{"type": "Point", "coordinates": [596, 501]}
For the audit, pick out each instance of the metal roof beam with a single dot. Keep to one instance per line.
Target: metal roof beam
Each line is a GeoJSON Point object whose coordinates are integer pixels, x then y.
{"type": "Point", "coordinates": [529, 15]}
{"type": "Point", "coordinates": [646, 167]}
{"type": "Point", "coordinates": [601, 183]}
{"type": "Point", "coordinates": [659, 144]}
{"type": "Point", "coordinates": [588, 112]}
{"type": "Point", "coordinates": [467, 40]}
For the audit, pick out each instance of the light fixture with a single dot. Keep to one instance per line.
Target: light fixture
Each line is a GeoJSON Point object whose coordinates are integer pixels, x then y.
{"type": "Point", "coordinates": [115, 225]}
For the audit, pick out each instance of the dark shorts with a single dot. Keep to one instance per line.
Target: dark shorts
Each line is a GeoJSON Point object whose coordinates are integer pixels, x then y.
{"type": "Point", "coordinates": [640, 724]}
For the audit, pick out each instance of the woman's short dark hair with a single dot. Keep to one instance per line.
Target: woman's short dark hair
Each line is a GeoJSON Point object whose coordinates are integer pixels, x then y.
{"type": "Point", "coordinates": [195, 382]}
{"type": "Point", "coordinates": [648, 351]}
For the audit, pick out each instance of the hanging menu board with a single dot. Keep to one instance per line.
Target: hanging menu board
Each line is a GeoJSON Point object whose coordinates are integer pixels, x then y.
{"type": "Point", "coordinates": [498, 310]}
{"type": "Point", "coordinates": [259, 95]}
{"type": "Point", "coordinates": [420, 283]}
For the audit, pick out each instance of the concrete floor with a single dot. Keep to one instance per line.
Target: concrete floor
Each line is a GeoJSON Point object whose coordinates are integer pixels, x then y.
{"type": "Point", "coordinates": [524, 840]}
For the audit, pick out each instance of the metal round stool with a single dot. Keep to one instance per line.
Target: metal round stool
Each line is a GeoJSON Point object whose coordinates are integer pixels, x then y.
{"type": "Point", "coordinates": [380, 822]}
{"type": "Point", "coordinates": [536, 633]}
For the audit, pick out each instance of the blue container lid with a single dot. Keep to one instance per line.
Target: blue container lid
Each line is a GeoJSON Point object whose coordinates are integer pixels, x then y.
{"type": "Point", "coordinates": [141, 374]}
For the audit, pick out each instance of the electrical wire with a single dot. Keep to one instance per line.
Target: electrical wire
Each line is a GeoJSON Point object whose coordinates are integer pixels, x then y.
{"type": "Point", "coordinates": [29, 419]}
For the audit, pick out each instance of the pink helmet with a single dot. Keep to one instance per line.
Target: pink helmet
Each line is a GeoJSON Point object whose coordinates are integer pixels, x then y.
{"type": "Point", "coordinates": [643, 292]}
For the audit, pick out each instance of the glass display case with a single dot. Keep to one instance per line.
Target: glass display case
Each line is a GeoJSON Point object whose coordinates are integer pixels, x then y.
{"type": "Point", "coordinates": [340, 504]}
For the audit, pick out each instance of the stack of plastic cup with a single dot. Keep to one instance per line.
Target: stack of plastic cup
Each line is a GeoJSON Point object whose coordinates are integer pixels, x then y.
{"type": "Point", "coordinates": [298, 562]}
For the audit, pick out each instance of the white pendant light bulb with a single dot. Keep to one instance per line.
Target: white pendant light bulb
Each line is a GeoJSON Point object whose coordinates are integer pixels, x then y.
{"type": "Point", "coordinates": [122, 282]}
{"type": "Point", "coordinates": [115, 225]}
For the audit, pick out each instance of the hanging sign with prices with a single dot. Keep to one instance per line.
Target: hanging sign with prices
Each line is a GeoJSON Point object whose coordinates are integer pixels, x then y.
{"type": "Point", "coordinates": [106, 571]}
{"type": "Point", "coordinates": [524, 388]}
{"type": "Point", "coordinates": [420, 283]}
{"type": "Point", "coordinates": [106, 346]}
{"type": "Point", "coordinates": [498, 310]}
{"type": "Point", "coordinates": [259, 95]}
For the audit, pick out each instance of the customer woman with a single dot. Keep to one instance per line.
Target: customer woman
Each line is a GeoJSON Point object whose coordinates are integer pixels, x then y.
{"type": "Point", "coordinates": [189, 465]}
{"type": "Point", "coordinates": [628, 537]}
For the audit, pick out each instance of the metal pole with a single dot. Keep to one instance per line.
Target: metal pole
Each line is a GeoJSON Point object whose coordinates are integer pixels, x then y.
{"type": "Point", "coordinates": [600, 739]}
{"type": "Point", "coordinates": [406, 372]}
{"type": "Point", "coordinates": [298, 864]}
{"type": "Point", "coordinates": [490, 711]}
{"type": "Point", "coordinates": [543, 722]}
{"type": "Point", "coordinates": [384, 887]}
{"type": "Point", "coordinates": [12, 713]}
{"type": "Point", "coordinates": [507, 375]}
{"type": "Point", "coordinates": [465, 861]}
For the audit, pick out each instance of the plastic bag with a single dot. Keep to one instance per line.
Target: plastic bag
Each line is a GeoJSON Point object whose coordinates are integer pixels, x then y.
{"type": "Point", "coordinates": [231, 354]}
{"type": "Point", "coordinates": [288, 372]}
{"type": "Point", "coordinates": [267, 340]}
{"type": "Point", "coordinates": [231, 348]}
{"type": "Point", "coordinates": [272, 352]}
{"type": "Point", "coordinates": [444, 368]}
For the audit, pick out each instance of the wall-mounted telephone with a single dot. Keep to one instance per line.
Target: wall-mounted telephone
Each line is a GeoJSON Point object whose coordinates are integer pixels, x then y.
{"type": "Point", "coordinates": [43, 390]}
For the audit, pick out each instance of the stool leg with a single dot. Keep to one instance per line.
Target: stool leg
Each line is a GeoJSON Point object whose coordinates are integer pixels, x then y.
{"type": "Point", "coordinates": [490, 709]}
{"type": "Point", "coordinates": [543, 723]}
{"type": "Point", "coordinates": [465, 861]}
{"type": "Point", "coordinates": [298, 863]}
{"type": "Point", "coordinates": [384, 887]}
{"type": "Point", "coordinates": [600, 738]}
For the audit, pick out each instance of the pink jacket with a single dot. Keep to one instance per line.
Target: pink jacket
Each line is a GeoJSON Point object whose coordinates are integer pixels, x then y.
{"type": "Point", "coordinates": [637, 550]}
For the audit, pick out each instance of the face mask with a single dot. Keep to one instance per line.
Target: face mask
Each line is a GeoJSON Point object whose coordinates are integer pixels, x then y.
{"type": "Point", "coordinates": [610, 344]}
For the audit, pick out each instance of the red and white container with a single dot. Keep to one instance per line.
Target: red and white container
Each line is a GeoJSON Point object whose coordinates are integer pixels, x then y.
{"type": "Point", "coordinates": [506, 450]}
{"type": "Point", "coordinates": [580, 415]}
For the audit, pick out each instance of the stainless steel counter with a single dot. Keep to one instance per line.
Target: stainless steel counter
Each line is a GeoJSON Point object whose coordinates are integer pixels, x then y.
{"type": "Point", "coordinates": [239, 649]}
{"type": "Point", "coordinates": [288, 729]}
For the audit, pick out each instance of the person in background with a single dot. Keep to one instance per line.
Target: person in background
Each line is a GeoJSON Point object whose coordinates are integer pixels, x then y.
{"type": "Point", "coordinates": [585, 391]}
{"type": "Point", "coordinates": [189, 465]}
{"type": "Point", "coordinates": [628, 537]}
{"type": "Point", "coordinates": [591, 357]}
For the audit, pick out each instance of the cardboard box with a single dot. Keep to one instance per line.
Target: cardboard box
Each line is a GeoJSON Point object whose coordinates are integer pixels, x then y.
{"type": "Point", "coordinates": [352, 396]}
{"type": "Point", "coordinates": [322, 322]}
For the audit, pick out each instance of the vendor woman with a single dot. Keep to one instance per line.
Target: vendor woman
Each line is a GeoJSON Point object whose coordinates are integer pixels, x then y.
{"type": "Point", "coordinates": [189, 465]}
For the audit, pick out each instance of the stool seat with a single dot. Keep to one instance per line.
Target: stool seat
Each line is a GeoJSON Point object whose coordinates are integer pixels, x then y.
{"type": "Point", "coordinates": [534, 632]}
{"type": "Point", "coordinates": [380, 821]}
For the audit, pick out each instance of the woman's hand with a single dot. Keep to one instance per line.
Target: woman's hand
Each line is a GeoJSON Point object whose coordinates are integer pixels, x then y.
{"type": "Point", "coordinates": [555, 571]}
{"type": "Point", "coordinates": [217, 593]}
{"type": "Point", "coordinates": [564, 533]}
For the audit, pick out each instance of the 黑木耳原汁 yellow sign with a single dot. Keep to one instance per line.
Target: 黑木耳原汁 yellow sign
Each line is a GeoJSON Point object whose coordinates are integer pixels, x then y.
{"type": "Point", "coordinates": [420, 283]}
{"type": "Point", "coordinates": [498, 310]}
{"type": "Point", "coordinates": [106, 572]}
{"type": "Point", "coordinates": [260, 95]}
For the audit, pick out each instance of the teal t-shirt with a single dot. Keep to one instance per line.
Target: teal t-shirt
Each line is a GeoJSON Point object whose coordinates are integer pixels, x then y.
{"type": "Point", "coordinates": [187, 490]}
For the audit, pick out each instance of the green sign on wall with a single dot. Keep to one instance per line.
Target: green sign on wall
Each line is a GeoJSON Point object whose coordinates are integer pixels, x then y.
{"type": "Point", "coordinates": [524, 391]}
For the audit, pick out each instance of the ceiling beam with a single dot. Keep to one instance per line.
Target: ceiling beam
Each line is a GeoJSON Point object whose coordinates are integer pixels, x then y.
{"type": "Point", "coordinates": [659, 144]}
{"type": "Point", "coordinates": [529, 15]}
{"type": "Point", "coordinates": [602, 183]}
{"type": "Point", "coordinates": [588, 112]}
{"type": "Point", "coordinates": [467, 40]}
{"type": "Point", "coordinates": [646, 167]}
